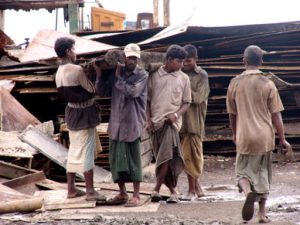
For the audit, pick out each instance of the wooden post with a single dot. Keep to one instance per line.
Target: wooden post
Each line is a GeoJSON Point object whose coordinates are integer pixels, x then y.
{"type": "Point", "coordinates": [73, 10]}
{"type": "Point", "coordinates": [166, 12]}
{"type": "Point", "coordinates": [155, 13]}
{"type": "Point", "coordinates": [2, 20]}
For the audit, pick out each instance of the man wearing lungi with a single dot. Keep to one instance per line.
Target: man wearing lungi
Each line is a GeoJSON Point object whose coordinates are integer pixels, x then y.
{"type": "Point", "coordinates": [254, 106]}
{"type": "Point", "coordinates": [169, 96]}
{"type": "Point", "coordinates": [127, 120]}
{"type": "Point", "coordinates": [81, 116]}
{"type": "Point", "coordinates": [193, 129]}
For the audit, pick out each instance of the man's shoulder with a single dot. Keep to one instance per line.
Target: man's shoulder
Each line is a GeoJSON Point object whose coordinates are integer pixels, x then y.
{"type": "Point", "coordinates": [141, 71]}
{"type": "Point", "coordinates": [183, 74]}
{"type": "Point", "coordinates": [201, 71]}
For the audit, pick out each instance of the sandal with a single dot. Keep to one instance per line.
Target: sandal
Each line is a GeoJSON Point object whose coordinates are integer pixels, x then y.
{"type": "Point", "coordinates": [248, 208]}
{"type": "Point", "coordinates": [133, 202]}
{"type": "Point", "coordinates": [117, 200]}
{"type": "Point", "coordinates": [173, 199]}
{"type": "Point", "coordinates": [155, 197]}
{"type": "Point", "coordinates": [188, 197]}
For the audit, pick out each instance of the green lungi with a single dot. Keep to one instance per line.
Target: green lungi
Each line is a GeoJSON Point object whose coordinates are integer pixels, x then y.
{"type": "Point", "coordinates": [125, 161]}
{"type": "Point", "coordinates": [257, 169]}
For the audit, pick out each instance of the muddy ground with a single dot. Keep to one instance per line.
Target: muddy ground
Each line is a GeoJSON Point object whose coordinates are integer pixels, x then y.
{"type": "Point", "coordinates": [221, 205]}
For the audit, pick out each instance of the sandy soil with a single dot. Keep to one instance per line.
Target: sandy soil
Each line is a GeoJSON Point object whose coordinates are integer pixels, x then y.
{"type": "Point", "coordinates": [221, 205]}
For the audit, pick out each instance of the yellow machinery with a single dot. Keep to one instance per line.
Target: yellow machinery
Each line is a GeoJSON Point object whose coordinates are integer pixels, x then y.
{"type": "Point", "coordinates": [106, 20]}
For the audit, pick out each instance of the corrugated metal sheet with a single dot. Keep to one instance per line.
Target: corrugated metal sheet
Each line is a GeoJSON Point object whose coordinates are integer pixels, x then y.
{"type": "Point", "coordinates": [42, 46]}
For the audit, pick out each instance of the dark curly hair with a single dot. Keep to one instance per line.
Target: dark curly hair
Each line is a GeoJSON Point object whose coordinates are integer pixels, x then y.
{"type": "Point", "coordinates": [62, 45]}
{"type": "Point", "coordinates": [176, 52]}
{"type": "Point", "coordinates": [191, 51]}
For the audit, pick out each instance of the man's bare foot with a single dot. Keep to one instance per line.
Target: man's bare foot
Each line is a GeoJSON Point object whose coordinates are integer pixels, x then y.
{"type": "Point", "coordinates": [76, 193]}
{"type": "Point", "coordinates": [133, 202]}
{"type": "Point", "coordinates": [95, 196]}
{"type": "Point", "coordinates": [119, 199]}
{"type": "Point", "coordinates": [263, 219]}
{"type": "Point", "coordinates": [200, 194]}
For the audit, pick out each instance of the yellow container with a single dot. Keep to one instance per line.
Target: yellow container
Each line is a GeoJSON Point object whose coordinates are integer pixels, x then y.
{"type": "Point", "coordinates": [106, 20]}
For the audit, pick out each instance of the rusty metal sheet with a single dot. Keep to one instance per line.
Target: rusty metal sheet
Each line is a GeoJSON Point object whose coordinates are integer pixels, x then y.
{"type": "Point", "coordinates": [14, 116]}
{"type": "Point", "coordinates": [5, 40]}
{"type": "Point", "coordinates": [42, 46]}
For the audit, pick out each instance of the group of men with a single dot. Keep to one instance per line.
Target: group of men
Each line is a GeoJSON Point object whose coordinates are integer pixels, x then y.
{"type": "Point", "coordinates": [171, 103]}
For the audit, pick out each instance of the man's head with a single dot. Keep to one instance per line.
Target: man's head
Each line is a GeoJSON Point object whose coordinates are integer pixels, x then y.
{"type": "Point", "coordinates": [175, 56]}
{"type": "Point", "coordinates": [253, 56]}
{"type": "Point", "coordinates": [132, 52]}
{"type": "Point", "coordinates": [190, 62]}
{"type": "Point", "coordinates": [64, 48]}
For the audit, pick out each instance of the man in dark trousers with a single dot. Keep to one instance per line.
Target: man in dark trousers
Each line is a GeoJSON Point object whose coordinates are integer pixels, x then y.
{"type": "Point", "coordinates": [254, 106]}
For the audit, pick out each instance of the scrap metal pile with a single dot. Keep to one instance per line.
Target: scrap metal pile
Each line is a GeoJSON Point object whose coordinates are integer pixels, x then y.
{"type": "Point", "coordinates": [220, 53]}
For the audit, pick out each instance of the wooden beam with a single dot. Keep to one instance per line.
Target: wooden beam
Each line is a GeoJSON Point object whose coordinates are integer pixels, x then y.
{"type": "Point", "coordinates": [12, 171]}
{"type": "Point", "coordinates": [166, 12]}
{"type": "Point", "coordinates": [155, 13]}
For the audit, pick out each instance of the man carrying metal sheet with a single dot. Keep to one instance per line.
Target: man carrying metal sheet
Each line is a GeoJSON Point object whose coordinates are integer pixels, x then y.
{"type": "Point", "coordinates": [127, 119]}
{"type": "Point", "coordinates": [81, 116]}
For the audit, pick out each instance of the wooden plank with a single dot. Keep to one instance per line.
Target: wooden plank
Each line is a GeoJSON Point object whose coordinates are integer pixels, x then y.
{"type": "Point", "coordinates": [12, 171]}
{"type": "Point", "coordinates": [13, 115]}
{"type": "Point", "coordinates": [145, 208]}
{"type": "Point", "coordinates": [38, 90]}
{"type": "Point", "coordinates": [57, 152]}
{"type": "Point", "coordinates": [28, 78]}
{"type": "Point", "coordinates": [57, 199]}
{"type": "Point", "coordinates": [12, 146]}
{"type": "Point", "coordinates": [26, 184]}
{"type": "Point", "coordinates": [27, 69]}
{"type": "Point", "coordinates": [51, 185]}
{"type": "Point", "coordinates": [14, 201]}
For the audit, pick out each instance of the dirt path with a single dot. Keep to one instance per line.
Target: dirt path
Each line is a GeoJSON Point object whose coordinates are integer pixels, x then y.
{"type": "Point", "coordinates": [221, 205]}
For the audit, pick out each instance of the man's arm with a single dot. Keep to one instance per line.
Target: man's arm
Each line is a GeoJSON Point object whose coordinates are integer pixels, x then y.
{"type": "Point", "coordinates": [174, 116]}
{"type": "Point", "coordinates": [149, 124]}
{"type": "Point", "coordinates": [278, 123]}
{"type": "Point", "coordinates": [131, 90]}
{"type": "Point", "coordinates": [202, 91]}
{"type": "Point", "coordinates": [232, 121]}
